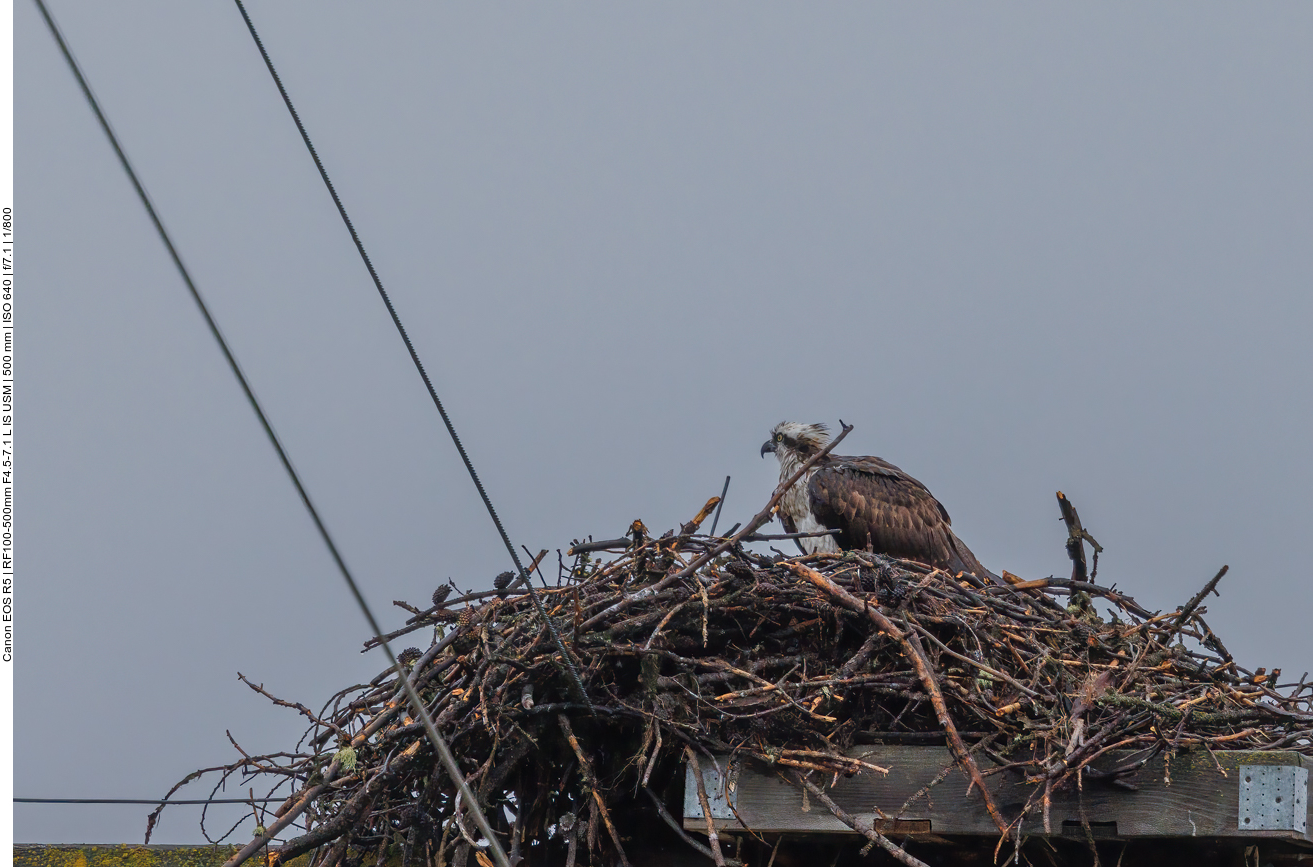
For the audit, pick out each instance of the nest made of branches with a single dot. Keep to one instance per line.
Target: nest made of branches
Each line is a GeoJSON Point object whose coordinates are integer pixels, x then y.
{"type": "Point", "coordinates": [782, 661]}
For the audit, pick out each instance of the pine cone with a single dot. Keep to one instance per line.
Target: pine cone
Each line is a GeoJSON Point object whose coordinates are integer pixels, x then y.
{"type": "Point", "coordinates": [739, 569]}
{"type": "Point", "coordinates": [502, 581]}
{"type": "Point", "coordinates": [440, 595]}
{"type": "Point", "coordinates": [409, 656]}
{"type": "Point", "coordinates": [898, 593]}
{"type": "Point", "coordinates": [866, 579]}
{"type": "Point", "coordinates": [466, 617]}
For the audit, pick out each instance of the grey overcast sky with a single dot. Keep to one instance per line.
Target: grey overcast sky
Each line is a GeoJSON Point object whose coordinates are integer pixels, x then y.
{"type": "Point", "coordinates": [1022, 247]}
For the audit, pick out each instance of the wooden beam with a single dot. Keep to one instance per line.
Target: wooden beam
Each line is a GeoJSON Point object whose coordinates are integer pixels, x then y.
{"type": "Point", "coordinates": [1200, 801]}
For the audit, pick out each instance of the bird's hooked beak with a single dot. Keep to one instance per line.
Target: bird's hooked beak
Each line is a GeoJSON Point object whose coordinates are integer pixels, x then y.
{"type": "Point", "coordinates": [767, 446]}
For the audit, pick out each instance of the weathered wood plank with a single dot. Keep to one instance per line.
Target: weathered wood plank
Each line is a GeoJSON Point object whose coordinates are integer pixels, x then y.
{"type": "Point", "coordinates": [1200, 801]}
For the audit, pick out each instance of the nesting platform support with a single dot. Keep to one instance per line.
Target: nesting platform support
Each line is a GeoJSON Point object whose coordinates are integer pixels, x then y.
{"type": "Point", "coordinates": [1242, 794]}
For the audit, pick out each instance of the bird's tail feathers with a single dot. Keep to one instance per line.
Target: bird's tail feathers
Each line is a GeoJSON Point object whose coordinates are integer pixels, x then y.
{"type": "Point", "coordinates": [965, 561]}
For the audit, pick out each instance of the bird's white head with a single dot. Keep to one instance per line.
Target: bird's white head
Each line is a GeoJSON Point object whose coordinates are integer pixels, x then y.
{"type": "Point", "coordinates": [794, 442]}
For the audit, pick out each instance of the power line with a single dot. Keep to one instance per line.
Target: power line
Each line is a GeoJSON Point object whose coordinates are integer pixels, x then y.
{"type": "Point", "coordinates": [435, 737]}
{"type": "Point", "coordinates": [156, 801]}
{"type": "Point", "coordinates": [566, 656]}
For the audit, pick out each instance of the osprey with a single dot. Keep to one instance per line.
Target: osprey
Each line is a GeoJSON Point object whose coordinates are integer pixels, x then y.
{"type": "Point", "coordinates": [874, 505]}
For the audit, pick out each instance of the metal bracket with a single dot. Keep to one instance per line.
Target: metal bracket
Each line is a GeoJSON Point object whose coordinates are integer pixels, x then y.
{"type": "Point", "coordinates": [719, 795]}
{"type": "Point", "coordinates": [1273, 798]}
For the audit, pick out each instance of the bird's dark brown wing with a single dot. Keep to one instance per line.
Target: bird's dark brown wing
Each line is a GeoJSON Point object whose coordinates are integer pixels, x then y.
{"type": "Point", "coordinates": [880, 467]}
{"type": "Point", "coordinates": [790, 527]}
{"type": "Point", "coordinates": [880, 508]}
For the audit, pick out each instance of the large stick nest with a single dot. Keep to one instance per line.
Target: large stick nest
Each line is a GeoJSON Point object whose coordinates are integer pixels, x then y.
{"type": "Point", "coordinates": [785, 662]}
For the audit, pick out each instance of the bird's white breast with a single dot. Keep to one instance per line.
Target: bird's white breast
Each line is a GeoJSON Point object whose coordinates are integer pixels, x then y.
{"type": "Point", "coordinates": [797, 505]}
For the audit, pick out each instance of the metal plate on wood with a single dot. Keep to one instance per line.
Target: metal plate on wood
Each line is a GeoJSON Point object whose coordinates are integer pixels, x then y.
{"type": "Point", "coordinates": [1202, 800]}
{"type": "Point", "coordinates": [717, 791]}
{"type": "Point", "coordinates": [1273, 798]}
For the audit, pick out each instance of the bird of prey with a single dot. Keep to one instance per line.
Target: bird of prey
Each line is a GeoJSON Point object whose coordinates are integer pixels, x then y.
{"type": "Point", "coordinates": [872, 504]}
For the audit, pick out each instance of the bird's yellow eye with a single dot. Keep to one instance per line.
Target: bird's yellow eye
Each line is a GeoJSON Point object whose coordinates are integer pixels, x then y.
{"type": "Point", "coordinates": [779, 438]}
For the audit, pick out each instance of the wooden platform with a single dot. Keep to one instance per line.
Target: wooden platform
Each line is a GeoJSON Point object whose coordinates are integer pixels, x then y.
{"type": "Point", "coordinates": [1240, 794]}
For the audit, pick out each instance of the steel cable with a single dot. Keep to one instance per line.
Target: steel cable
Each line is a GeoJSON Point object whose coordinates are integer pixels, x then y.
{"type": "Point", "coordinates": [566, 657]}
{"type": "Point", "coordinates": [435, 737]}
{"type": "Point", "coordinates": [149, 801]}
